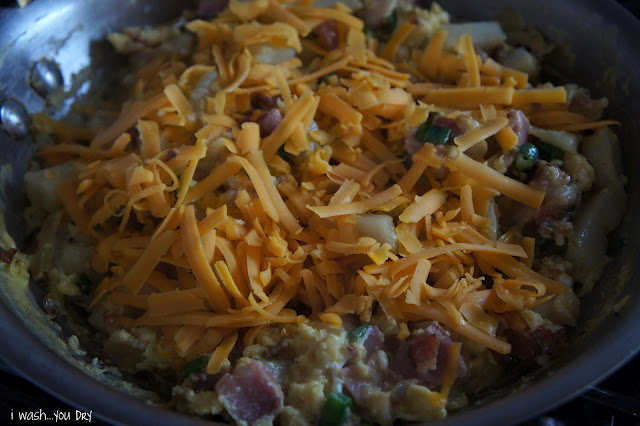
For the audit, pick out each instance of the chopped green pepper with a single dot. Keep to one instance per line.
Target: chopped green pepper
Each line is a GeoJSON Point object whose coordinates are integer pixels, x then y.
{"type": "Point", "coordinates": [84, 283]}
{"type": "Point", "coordinates": [549, 152]}
{"type": "Point", "coordinates": [433, 134]}
{"type": "Point", "coordinates": [326, 79]}
{"type": "Point", "coordinates": [432, 116]}
{"type": "Point", "coordinates": [359, 333]}
{"type": "Point", "coordinates": [385, 29]}
{"type": "Point", "coordinates": [336, 410]}
{"type": "Point", "coordinates": [512, 365]}
{"type": "Point", "coordinates": [282, 153]}
{"type": "Point", "coordinates": [527, 157]}
{"type": "Point", "coordinates": [194, 366]}
{"type": "Point", "coordinates": [370, 32]}
{"type": "Point", "coordinates": [390, 23]}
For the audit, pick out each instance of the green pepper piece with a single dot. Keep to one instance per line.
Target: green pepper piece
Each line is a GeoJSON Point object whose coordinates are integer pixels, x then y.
{"type": "Point", "coordinates": [433, 134]}
{"type": "Point", "coordinates": [370, 32]}
{"type": "Point", "coordinates": [549, 152]}
{"type": "Point", "coordinates": [527, 157]}
{"type": "Point", "coordinates": [282, 153]}
{"type": "Point", "coordinates": [432, 117]}
{"type": "Point", "coordinates": [194, 366]}
{"type": "Point", "coordinates": [359, 333]}
{"type": "Point", "coordinates": [384, 30]}
{"type": "Point", "coordinates": [390, 23]}
{"type": "Point", "coordinates": [84, 283]}
{"type": "Point", "coordinates": [336, 410]}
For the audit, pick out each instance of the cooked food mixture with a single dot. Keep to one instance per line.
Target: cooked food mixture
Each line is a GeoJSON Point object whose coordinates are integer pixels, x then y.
{"type": "Point", "coordinates": [352, 212]}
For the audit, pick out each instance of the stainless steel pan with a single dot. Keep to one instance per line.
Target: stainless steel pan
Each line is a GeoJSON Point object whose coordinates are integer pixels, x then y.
{"type": "Point", "coordinates": [605, 40]}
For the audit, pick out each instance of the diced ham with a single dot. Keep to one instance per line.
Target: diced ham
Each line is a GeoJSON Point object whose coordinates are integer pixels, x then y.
{"type": "Point", "coordinates": [6, 256]}
{"type": "Point", "coordinates": [561, 196]}
{"type": "Point", "coordinates": [423, 355]}
{"type": "Point", "coordinates": [282, 351]}
{"type": "Point", "coordinates": [132, 312]}
{"type": "Point", "coordinates": [112, 320]}
{"type": "Point", "coordinates": [580, 101]}
{"type": "Point", "coordinates": [167, 269]}
{"type": "Point", "coordinates": [357, 380]}
{"type": "Point", "coordinates": [263, 102]}
{"type": "Point", "coordinates": [411, 143]}
{"type": "Point", "coordinates": [135, 136]}
{"type": "Point", "coordinates": [200, 173]}
{"type": "Point", "coordinates": [442, 172]}
{"type": "Point", "coordinates": [530, 344]}
{"type": "Point", "coordinates": [449, 123]}
{"type": "Point", "coordinates": [268, 121]}
{"type": "Point", "coordinates": [399, 360]}
{"type": "Point", "coordinates": [374, 340]}
{"type": "Point", "coordinates": [552, 219]}
{"type": "Point", "coordinates": [250, 393]}
{"type": "Point", "coordinates": [498, 53]}
{"type": "Point", "coordinates": [527, 343]}
{"type": "Point", "coordinates": [520, 125]}
{"type": "Point", "coordinates": [206, 382]}
{"type": "Point", "coordinates": [209, 8]}
{"type": "Point", "coordinates": [327, 33]}
{"type": "Point", "coordinates": [480, 52]}
{"type": "Point", "coordinates": [354, 383]}
{"type": "Point", "coordinates": [170, 155]}
{"type": "Point", "coordinates": [424, 345]}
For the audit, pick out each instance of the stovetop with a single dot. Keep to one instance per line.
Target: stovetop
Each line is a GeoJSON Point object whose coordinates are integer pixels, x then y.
{"type": "Point", "coordinates": [614, 402]}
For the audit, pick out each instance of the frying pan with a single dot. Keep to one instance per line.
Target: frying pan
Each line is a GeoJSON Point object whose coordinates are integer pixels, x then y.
{"type": "Point", "coordinates": [57, 41]}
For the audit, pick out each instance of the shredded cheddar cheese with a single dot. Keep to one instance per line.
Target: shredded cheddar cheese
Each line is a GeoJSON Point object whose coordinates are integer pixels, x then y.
{"type": "Point", "coordinates": [217, 217]}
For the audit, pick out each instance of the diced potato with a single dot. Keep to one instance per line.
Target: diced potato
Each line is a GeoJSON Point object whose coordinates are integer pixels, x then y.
{"type": "Point", "coordinates": [587, 247]}
{"type": "Point", "coordinates": [478, 317]}
{"type": "Point", "coordinates": [379, 227]}
{"type": "Point", "coordinates": [522, 60]}
{"type": "Point", "coordinates": [41, 186]}
{"type": "Point", "coordinates": [562, 309]}
{"type": "Point", "coordinates": [74, 257]}
{"type": "Point", "coordinates": [271, 55]}
{"type": "Point", "coordinates": [601, 213]}
{"type": "Point", "coordinates": [490, 230]}
{"type": "Point", "coordinates": [203, 87]}
{"type": "Point", "coordinates": [603, 152]}
{"type": "Point", "coordinates": [485, 34]}
{"type": "Point", "coordinates": [564, 140]}
{"type": "Point", "coordinates": [413, 407]}
{"type": "Point", "coordinates": [352, 4]}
